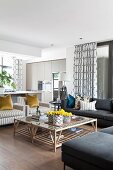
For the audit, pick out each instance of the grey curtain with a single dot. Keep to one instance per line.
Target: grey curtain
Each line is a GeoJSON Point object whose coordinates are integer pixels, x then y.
{"type": "Point", "coordinates": [85, 70]}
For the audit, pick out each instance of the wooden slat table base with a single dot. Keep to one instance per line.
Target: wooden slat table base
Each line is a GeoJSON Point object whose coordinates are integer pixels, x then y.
{"type": "Point", "coordinates": [50, 137]}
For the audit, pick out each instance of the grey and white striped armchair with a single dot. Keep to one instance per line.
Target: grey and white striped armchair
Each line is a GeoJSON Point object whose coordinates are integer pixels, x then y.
{"type": "Point", "coordinates": [29, 111]}
{"type": "Point", "coordinates": [7, 116]}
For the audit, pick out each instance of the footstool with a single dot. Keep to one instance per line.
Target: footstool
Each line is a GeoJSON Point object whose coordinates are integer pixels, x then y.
{"type": "Point", "coordinates": [90, 152]}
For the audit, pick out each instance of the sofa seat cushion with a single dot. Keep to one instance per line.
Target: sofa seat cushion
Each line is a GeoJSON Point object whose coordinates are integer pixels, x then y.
{"type": "Point", "coordinates": [99, 114]}
{"type": "Point", "coordinates": [95, 148]}
{"type": "Point", "coordinates": [10, 113]}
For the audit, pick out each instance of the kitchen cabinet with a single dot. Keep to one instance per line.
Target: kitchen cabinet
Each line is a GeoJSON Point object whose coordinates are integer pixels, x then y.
{"type": "Point", "coordinates": [42, 71]}
{"type": "Point", "coordinates": [47, 71]}
{"type": "Point", "coordinates": [58, 66]}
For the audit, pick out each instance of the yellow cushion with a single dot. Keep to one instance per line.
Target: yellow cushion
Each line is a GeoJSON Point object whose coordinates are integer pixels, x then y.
{"type": "Point", "coordinates": [6, 103]}
{"type": "Point", "coordinates": [32, 100]}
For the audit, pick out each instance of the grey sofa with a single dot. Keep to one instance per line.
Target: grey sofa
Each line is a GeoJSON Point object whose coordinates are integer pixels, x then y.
{"type": "Point", "coordinates": [90, 152]}
{"type": "Point", "coordinates": [103, 113]}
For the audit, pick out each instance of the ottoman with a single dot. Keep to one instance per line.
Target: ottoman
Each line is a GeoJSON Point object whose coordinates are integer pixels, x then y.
{"type": "Point", "coordinates": [108, 130]}
{"type": "Point", "coordinates": [90, 152]}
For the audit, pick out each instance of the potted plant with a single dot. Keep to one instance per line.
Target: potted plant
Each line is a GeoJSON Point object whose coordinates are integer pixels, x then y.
{"type": "Point", "coordinates": [6, 79]}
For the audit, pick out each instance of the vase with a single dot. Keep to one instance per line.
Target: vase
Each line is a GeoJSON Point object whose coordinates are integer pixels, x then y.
{"type": "Point", "coordinates": [2, 90]}
{"type": "Point", "coordinates": [67, 119]}
{"type": "Point", "coordinates": [50, 119]}
{"type": "Point", "coordinates": [58, 120]}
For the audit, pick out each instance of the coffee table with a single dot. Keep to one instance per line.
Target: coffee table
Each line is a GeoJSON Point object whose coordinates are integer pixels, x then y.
{"type": "Point", "coordinates": [52, 135]}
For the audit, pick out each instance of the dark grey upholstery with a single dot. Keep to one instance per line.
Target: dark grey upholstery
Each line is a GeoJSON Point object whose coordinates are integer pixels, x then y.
{"type": "Point", "coordinates": [90, 152]}
{"type": "Point", "coordinates": [104, 104]}
{"type": "Point", "coordinates": [108, 130]}
{"type": "Point", "coordinates": [101, 114]}
{"type": "Point", "coordinates": [104, 112]}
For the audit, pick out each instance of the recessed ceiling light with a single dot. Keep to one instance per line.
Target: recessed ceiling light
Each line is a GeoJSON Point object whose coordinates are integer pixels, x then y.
{"type": "Point", "coordinates": [51, 44]}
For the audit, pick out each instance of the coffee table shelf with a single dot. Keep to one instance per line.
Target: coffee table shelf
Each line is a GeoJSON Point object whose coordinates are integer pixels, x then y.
{"type": "Point", "coordinates": [49, 134]}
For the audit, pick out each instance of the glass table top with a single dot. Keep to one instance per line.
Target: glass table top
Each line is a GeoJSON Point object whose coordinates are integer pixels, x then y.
{"type": "Point", "coordinates": [43, 123]}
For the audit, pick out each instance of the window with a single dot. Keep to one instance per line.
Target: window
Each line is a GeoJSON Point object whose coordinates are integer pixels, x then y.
{"type": "Point", "coordinates": [6, 63]}
{"type": "Point", "coordinates": [102, 71]}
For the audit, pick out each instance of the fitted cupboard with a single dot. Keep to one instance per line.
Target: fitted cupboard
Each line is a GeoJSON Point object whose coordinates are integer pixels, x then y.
{"type": "Point", "coordinates": [42, 72]}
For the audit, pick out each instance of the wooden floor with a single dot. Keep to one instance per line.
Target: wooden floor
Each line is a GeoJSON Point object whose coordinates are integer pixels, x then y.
{"type": "Point", "coordinates": [17, 153]}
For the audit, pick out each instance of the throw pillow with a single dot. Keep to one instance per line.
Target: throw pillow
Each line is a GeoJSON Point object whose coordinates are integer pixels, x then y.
{"type": "Point", "coordinates": [86, 99]}
{"type": "Point", "coordinates": [6, 102]}
{"type": "Point", "coordinates": [70, 101]}
{"type": "Point", "coordinates": [77, 102]}
{"type": "Point", "coordinates": [87, 106]}
{"type": "Point", "coordinates": [32, 100]}
{"type": "Point", "coordinates": [104, 104]}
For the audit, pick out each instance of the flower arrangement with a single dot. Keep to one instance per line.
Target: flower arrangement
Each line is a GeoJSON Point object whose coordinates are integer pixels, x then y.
{"type": "Point", "coordinates": [59, 117]}
{"type": "Point", "coordinates": [60, 112]}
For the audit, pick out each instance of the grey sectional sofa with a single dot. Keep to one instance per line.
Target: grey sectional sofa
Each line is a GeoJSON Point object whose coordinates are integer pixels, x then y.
{"type": "Point", "coordinates": [90, 152]}
{"type": "Point", "coordinates": [103, 113]}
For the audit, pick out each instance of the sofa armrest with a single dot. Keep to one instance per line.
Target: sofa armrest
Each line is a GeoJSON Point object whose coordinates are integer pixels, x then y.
{"type": "Point", "coordinates": [27, 110]}
{"type": "Point", "coordinates": [20, 107]}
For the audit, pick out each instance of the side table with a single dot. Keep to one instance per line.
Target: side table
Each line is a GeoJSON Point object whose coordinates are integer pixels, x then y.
{"type": "Point", "coordinates": [56, 104]}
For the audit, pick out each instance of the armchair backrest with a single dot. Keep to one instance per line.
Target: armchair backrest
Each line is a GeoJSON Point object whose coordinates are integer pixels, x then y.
{"type": "Point", "coordinates": [21, 100]}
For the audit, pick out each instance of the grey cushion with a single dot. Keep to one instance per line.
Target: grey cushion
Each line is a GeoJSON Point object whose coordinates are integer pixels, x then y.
{"type": "Point", "coordinates": [103, 104]}
{"type": "Point", "coordinates": [108, 130]}
{"type": "Point", "coordinates": [96, 148]}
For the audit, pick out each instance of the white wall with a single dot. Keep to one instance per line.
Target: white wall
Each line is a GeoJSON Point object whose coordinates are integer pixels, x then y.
{"type": "Point", "coordinates": [54, 53]}
{"type": "Point", "coordinates": [69, 69]}
{"type": "Point", "coordinates": [11, 47]}
{"type": "Point", "coordinates": [50, 54]}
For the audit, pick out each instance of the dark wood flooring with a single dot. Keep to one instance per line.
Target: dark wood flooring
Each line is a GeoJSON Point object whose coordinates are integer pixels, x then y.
{"type": "Point", "coordinates": [17, 153]}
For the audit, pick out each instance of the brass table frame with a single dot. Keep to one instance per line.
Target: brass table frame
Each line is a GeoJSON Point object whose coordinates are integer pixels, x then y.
{"type": "Point", "coordinates": [50, 134]}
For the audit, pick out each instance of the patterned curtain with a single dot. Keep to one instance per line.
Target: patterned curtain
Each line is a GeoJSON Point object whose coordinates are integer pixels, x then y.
{"type": "Point", "coordinates": [18, 73]}
{"type": "Point", "coordinates": [85, 70]}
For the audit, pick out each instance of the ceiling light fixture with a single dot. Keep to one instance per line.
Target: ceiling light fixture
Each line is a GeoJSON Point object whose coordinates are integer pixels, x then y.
{"type": "Point", "coordinates": [51, 44]}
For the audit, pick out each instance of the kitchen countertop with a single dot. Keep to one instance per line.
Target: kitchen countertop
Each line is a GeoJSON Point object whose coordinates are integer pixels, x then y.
{"type": "Point", "coordinates": [23, 92]}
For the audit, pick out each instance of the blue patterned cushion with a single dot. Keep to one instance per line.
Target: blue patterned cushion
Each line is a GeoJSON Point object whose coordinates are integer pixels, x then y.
{"type": "Point", "coordinates": [70, 101]}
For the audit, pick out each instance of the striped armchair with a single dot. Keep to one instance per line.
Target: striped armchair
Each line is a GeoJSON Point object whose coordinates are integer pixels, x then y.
{"type": "Point", "coordinates": [29, 110]}
{"type": "Point", "coordinates": [7, 116]}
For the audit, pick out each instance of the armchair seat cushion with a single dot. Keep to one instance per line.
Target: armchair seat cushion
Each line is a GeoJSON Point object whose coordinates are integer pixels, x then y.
{"type": "Point", "coordinates": [10, 113]}
{"type": "Point", "coordinates": [32, 110]}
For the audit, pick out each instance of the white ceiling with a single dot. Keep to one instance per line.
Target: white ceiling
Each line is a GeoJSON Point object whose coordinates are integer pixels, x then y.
{"type": "Point", "coordinates": [59, 22]}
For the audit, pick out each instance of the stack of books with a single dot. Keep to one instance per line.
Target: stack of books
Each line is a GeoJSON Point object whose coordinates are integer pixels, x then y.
{"type": "Point", "coordinates": [76, 130]}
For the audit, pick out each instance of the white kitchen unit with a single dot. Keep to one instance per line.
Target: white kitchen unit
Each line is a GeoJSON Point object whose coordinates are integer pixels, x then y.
{"type": "Point", "coordinates": [41, 72]}
{"type": "Point", "coordinates": [47, 70]}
